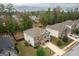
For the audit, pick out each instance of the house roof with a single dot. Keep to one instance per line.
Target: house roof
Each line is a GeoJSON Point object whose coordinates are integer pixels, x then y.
{"type": "Point", "coordinates": [60, 26]}
{"type": "Point", "coordinates": [6, 45]}
{"type": "Point", "coordinates": [34, 32]}
{"type": "Point", "coordinates": [18, 35]}
{"type": "Point", "coordinates": [1, 18]}
{"type": "Point", "coordinates": [12, 52]}
{"type": "Point", "coordinates": [76, 21]}
{"type": "Point", "coordinates": [34, 17]}
{"type": "Point", "coordinates": [5, 42]}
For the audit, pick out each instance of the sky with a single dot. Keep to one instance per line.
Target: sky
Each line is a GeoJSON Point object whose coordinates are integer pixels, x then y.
{"type": "Point", "coordinates": [18, 2]}
{"type": "Point", "coordinates": [37, 3]}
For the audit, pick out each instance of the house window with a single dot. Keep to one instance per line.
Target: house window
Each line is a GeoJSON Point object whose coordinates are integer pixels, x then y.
{"type": "Point", "coordinates": [28, 41]}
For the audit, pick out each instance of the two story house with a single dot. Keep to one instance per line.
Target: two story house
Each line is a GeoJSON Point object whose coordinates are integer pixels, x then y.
{"type": "Point", "coordinates": [60, 29]}
{"type": "Point", "coordinates": [36, 36]}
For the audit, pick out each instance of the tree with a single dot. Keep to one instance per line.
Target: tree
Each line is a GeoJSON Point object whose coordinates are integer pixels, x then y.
{"type": "Point", "coordinates": [1, 27]}
{"type": "Point", "coordinates": [9, 9]}
{"type": "Point", "coordinates": [65, 39]}
{"type": "Point", "coordinates": [25, 23]}
{"type": "Point", "coordinates": [10, 25]}
{"type": "Point", "coordinates": [46, 18]}
{"type": "Point", "coordinates": [40, 52]}
{"type": "Point", "coordinates": [76, 31]}
{"type": "Point", "coordinates": [2, 9]}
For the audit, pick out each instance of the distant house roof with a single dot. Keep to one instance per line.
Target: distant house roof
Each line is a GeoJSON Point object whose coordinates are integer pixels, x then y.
{"type": "Point", "coordinates": [34, 18]}
{"type": "Point", "coordinates": [1, 18]}
{"type": "Point", "coordinates": [16, 18]}
{"type": "Point", "coordinates": [76, 21]}
{"type": "Point", "coordinates": [5, 42]}
{"type": "Point", "coordinates": [60, 26]}
{"type": "Point", "coordinates": [34, 32]}
{"type": "Point", "coordinates": [6, 46]}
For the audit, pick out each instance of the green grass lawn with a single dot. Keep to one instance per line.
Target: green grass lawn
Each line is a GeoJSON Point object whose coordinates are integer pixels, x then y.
{"type": "Point", "coordinates": [25, 50]}
{"type": "Point", "coordinates": [54, 41]}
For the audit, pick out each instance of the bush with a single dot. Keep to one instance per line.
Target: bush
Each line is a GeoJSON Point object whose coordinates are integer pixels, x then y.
{"type": "Point", "coordinates": [59, 42]}
{"type": "Point", "coordinates": [17, 50]}
{"type": "Point", "coordinates": [65, 39]}
{"type": "Point", "coordinates": [26, 43]}
{"type": "Point", "coordinates": [76, 31]}
{"type": "Point", "coordinates": [40, 52]}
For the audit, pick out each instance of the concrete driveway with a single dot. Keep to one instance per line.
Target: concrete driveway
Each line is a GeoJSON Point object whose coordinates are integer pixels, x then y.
{"type": "Point", "coordinates": [54, 48]}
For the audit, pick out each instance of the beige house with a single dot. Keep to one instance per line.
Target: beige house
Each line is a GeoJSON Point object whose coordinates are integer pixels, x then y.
{"type": "Point", "coordinates": [36, 36]}
{"type": "Point", "coordinates": [60, 29]}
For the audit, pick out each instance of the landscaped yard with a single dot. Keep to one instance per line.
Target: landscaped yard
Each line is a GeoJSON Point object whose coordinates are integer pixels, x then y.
{"type": "Point", "coordinates": [63, 44]}
{"type": "Point", "coordinates": [25, 50]}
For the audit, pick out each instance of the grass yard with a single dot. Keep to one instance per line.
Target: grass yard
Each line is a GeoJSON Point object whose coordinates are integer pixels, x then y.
{"type": "Point", "coordinates": [54, 41]}
{"type": "Point", "coordinates": [25, 50]}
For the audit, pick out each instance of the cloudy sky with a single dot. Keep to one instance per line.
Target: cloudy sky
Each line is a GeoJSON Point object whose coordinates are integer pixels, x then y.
{"type": "Point", "coordinates": [23, 1]}
{"type": "Point", "coordinates": [40, 3]}
{"type": "Point", "coordinates": [37, 1]}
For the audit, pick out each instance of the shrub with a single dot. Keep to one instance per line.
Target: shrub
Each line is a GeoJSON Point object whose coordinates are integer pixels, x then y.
{"type": "Point", "coordinates": [40, 52]}
{"type": "Point", "coordinates": [59, 42]}
{"type": "Point", "coordinates": [65, 39]}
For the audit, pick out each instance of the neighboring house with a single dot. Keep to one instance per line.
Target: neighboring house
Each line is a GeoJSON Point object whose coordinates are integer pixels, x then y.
{"type": "Point", "coordinates": [60, 29]}
{"type": "Point", "coordinates": [17, 18]}
{"type": "Point", "coordinates": [34, 18]}
{"type": "Point", "coordinates": [2, 18]}
{"type": "Point", "coordinates": [7, 46]}
{"type": "Point", "coordinates": [36, 22]}
{"type": "Point", "coordinates": [75, 24]}
{"type": "Point", "coordinates": [36, 36]}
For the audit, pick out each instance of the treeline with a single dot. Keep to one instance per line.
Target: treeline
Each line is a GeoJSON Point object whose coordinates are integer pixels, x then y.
{"type": "Point", "coordinates": [58, 15]}
{"type": "Point", "coordinates": [8, 24]}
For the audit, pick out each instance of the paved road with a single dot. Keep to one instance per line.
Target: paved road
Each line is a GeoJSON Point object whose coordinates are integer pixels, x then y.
{"type": "Point", "coordinates": [53, 47]}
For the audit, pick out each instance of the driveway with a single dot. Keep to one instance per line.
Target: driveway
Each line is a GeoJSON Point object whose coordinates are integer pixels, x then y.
{"type": "Point", "coordinates": [73, 38]}
{"type": "Point", "coordinates": [54, 48]}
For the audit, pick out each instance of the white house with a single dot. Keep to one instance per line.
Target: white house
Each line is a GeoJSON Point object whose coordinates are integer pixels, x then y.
{"type": "Point", "coordinates": [36, 36]}
{"type": "Point", "coordinates": [35, 18]}
{"type": "Point", "coordinates": [60, 29]}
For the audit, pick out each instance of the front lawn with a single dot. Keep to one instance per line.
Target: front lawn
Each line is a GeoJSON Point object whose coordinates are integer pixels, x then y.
{"type": "Point", "coordinates": [55, 40]}
{"type": "Point", "coordinates": [26, 50]}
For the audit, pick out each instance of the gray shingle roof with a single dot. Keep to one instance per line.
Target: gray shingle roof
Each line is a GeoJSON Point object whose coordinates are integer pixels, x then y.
{"type": "Point", "coordinates": [5, 42]}
{"type": "Point", "coordinates": [35, 32]}
{"type": "Point", "coordinates": [60, 26]}
{"type": "Point", "coordinates": [76, 21]}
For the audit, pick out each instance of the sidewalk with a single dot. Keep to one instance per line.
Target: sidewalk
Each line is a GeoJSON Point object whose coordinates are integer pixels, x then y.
{"type": "Point", "coordinates": [53, 47]}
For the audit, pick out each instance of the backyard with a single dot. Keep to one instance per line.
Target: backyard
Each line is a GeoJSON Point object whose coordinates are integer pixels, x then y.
{"type": "Point", "coordinates": [27, 50]}
{"type": "Point", "coordinates": [59, 42]}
